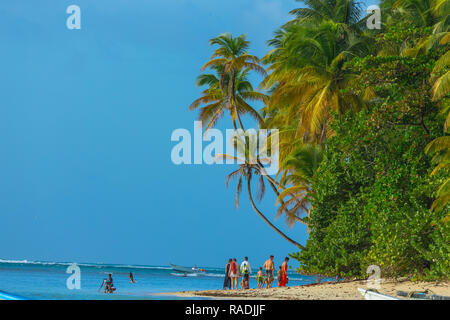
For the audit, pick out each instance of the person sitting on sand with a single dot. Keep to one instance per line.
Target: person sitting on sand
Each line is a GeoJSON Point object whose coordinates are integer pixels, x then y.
{"type": "Point", "coordinates": [270, 268]}
{"type": "Point", "coordinates": [260, 278]}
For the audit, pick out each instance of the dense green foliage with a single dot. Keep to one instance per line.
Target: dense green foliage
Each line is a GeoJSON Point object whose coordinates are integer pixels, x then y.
{"type": "Point", "coordinates": [364, 145]}
{"type": "Point", "coordinates": [373, 192]}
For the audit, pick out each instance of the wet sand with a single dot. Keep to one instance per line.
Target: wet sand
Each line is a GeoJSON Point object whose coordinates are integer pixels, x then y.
{"type": "Point", "coordinates": [323, 291]}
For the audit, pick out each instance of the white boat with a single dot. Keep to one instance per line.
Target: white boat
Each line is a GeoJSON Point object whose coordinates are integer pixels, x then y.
{"type": "Point", "coordinates": [369, 294]}
{"type": "Point", "coordinates": [184, 270]}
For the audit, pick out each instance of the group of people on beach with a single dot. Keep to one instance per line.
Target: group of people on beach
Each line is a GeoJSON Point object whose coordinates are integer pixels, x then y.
{"type": "Point", "coordinates": [234, 271]}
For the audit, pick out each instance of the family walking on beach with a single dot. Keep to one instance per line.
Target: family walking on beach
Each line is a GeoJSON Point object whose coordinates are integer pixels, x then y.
{"type": "Point", "coordinates": [234, 271]}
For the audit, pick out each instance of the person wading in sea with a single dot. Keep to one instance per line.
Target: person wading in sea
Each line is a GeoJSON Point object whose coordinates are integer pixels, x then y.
{"type": "Point", "coordinates": [131, 277]}
{"type": "Point", "coordinates": [109, 286]}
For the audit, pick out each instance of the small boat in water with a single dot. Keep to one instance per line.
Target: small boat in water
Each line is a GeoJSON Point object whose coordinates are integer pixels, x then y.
{"type": "Point", "coordinates": [369, 294]}
{"type": "Point", "coordinates": [186, 270]}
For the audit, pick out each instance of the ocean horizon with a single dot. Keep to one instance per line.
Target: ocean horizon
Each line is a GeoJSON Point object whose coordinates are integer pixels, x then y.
{"type": "Point", "coordinates": [47, 280]}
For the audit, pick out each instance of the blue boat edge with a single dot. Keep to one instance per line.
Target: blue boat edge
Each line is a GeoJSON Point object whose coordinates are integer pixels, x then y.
{"type": "Point", "coordinates": [8, 296]}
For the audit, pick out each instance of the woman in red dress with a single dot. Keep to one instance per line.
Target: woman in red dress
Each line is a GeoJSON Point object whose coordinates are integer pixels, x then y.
{"type": "Point", "coordinates": [284, 278]}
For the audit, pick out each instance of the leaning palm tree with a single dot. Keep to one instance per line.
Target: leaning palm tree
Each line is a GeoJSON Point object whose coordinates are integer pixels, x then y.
{"type": "Point", "coordinates": [250, 163]}
{"type": "Point", "coordinates": [215, 101]}
{"type": "Point", "coordinates": [231, 57]}
{"type": "Point", "coordinates": [298, 171]}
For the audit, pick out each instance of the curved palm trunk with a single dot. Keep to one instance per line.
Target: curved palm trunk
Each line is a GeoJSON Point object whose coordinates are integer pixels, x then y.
{"type": "Point", "coordinates": [272, 184]}
{"type": "Point", "coordinates": [266, 220]}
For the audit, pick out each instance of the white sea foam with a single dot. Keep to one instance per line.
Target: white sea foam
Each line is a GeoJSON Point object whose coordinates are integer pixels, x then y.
{"type": "Point", "coordinates": [95, 265]}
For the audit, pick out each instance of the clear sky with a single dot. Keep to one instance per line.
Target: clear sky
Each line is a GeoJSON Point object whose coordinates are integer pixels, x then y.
{"type": "Point", "coordinates": [85, 123]}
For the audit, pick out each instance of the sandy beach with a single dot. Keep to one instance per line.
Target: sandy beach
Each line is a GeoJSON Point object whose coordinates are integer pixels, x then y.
{"type": "Point", "coordinates": [323, 291]}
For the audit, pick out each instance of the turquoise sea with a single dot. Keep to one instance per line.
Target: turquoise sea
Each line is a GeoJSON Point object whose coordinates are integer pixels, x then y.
{"type": "Point", "coordinates": [47, 280]}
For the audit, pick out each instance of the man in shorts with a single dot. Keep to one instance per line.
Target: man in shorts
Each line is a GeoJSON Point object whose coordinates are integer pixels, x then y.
{"type": "Point", "coordinates": [270, 268]}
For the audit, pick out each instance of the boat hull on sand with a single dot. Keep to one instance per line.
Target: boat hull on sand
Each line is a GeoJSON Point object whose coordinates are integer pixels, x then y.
{"type": "Point", "coordinates": [373, 295]}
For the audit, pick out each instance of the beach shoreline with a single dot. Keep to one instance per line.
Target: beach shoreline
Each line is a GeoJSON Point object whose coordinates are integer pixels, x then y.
{"type": "Point", "coordinates": [321, 291]}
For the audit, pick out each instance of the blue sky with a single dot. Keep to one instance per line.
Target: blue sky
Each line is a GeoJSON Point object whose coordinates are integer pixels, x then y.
{"type": "Point", "coordinates": [85, 123]}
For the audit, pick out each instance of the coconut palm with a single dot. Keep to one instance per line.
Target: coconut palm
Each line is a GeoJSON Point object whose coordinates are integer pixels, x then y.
{"type": "Point", "coordinates": [231, 57]}
{"type": "Point", "coordinates": [422, 15]}
{"type": "Point", "coordinates": [347, 13]}
{"type": "Point", "coordinates": [441, 83]}
{"type": "Point", "coordinates": [298, 172]}
{"type": "Point", "coordinates": [250, 163]}
{"type": "Point", "coordinates": [216, 102]}
{"type": "Point", "coordinates": [440, 148]}
{"type": "Point", "coordinates": [308, 78]}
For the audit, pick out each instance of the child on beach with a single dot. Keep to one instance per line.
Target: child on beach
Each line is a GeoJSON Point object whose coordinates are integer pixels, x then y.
{"type": "Point", "coordinates": [260, 278]}
{"type": "Point", "coordinates": [266, 280]}
{"type": "Point", "coordinates": [245, 280]}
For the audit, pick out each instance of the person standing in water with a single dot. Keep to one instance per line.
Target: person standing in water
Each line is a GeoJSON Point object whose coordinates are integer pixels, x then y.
{"type": "Point", "coordinates": [284, 268]}
{"type": "Point", "coordinates": [227, 281]}
{"type": "Point", "coordinates": [131, 278]}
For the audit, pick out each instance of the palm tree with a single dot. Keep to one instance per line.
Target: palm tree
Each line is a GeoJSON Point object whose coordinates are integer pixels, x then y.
{"type": "Point", "coordinates": [440, 148]}
{"type": "Point", "coordinates": [441, 83]}
{"type": "Point", "coordinates": [421, 14]}
{"type": "Point", "coordinates": [216, 101]}
{"type": "Point", "coordinates": [250, 166]}
{"type": "Point", "coordinates": [308, 78]}
{"type": "Point", "coordinates": [345, 12]}
{"type": "Point", "coordinates": [231, 57]}
{"type": "Point", "coordinates": [298, 173]}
